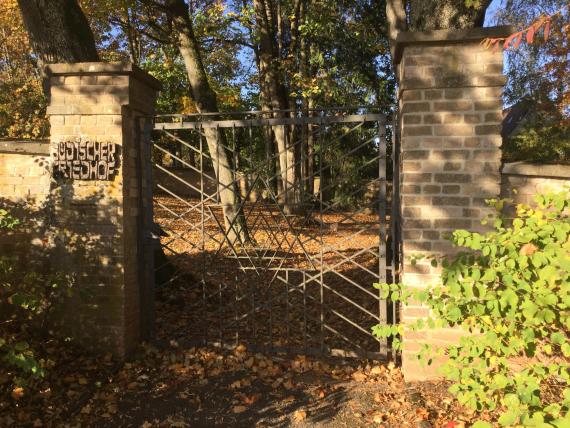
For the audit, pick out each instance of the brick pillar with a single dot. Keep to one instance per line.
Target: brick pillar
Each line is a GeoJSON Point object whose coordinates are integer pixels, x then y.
{"type": "Point", "coordinates": [451, 113]}
{"type": "Point", "coordinates": [98, 198]}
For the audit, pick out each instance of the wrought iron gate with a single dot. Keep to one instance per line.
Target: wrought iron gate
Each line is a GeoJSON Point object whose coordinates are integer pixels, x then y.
{"type": "Point", "coordinates": [302, 282]}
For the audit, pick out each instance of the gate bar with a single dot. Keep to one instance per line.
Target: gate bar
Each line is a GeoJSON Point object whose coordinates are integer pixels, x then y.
{"type": "Point", "coordinates": [244, 123]}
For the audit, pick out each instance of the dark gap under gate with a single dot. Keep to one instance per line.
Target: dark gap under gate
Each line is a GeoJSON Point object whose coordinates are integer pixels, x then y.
{"type": "Point", "coordinates": [290, 267]}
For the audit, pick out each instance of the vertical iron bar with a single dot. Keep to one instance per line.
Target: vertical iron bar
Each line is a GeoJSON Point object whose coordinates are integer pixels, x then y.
{"type": "Point", "coordinates": [234, 173]}
{"type": "Point", "coordinates": [395, 212]}
{"type": "Point", "coordinates": [321, 225]}
{"type": "Point", "coordinates": [253, 314]}
{"type": "Point", "coordinates": [221, 314]}
{"type": "Point", "coordinates": [252, 167]}
{"type": "Point", "coordinates": [382, 309]}
{"type": "Point", "coordinates": [238, 189]}
{"type": "Point", "coordinates": [393, 204]}
{"type": "Point", "coordinates": [304, 312]}
{"type": "Point", "coordinates": [253, 285]}
{"type": "Point", "coordinates": [236, 312]}
{"type": "Point", "coordinates": [270, 316]}
{"type": "Point", "coordinates": [304, 171]}
{"type": "Point", "coordinates": [203, 233]}
{"type": "Point", "coordinates": [219, 197]}
{"type": "Point", "coordinates": [287, 306]}
{"type": "Point", "coordinates": [235, 161]}
{"type": "Point", "coordinates": [286, 176]}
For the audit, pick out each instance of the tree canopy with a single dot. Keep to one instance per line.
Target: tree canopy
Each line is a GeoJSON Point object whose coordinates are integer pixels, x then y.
{"type": "Point", "coordinates": [537, 74]}
{"type": "Point", "coordinates": [258, 54]}
{"type": "Point", "coordinates": [322, 52]}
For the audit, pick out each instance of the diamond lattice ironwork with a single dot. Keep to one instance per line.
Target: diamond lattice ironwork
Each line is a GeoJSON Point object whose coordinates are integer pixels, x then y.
{"type": "Point", "coordinates": [302, 281]}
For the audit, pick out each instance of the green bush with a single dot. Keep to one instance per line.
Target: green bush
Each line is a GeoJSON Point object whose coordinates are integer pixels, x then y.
{"type": "Point", "coordinates": [543, 139]}
{"type": "Point", "coordinates": [22, 109]}
{"type": "Point", "coordinates": [27, 299]}
{"type": "Point", "coordinates": [510, 291]}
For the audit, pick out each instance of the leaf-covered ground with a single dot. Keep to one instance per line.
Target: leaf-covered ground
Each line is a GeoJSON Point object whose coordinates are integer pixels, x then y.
{"type": "Point", "coordinates": [170, 384]}
{"type": "Point", "coordinates": [174, 383]}
{"type": "Point", "coordinates": [301, 282]}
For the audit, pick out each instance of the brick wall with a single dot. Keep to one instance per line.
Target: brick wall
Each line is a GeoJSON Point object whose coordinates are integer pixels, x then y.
{"type": "Point", "coordinates": [451, 111]}
{"type": "Point", "coordinates": [24, 171]}
{"type": "Point", "coordinates": [99, 223]}
{"type": "Point", "coordinates": [24, 187]}
{"type": "Point", "coordinates": [530, 179]}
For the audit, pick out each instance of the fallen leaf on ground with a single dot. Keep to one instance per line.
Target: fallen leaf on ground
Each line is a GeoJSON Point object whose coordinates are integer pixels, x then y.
{"type": "Point", "coordinates": [359, 376]}
{"type": "Point", "coordinates": [251, 399]}
{"type": "Point", "coordinates": [299, 415]}
{"type": "Point", "coordinates": [379, 418]}
{"type": "Point", "coordinates": [288, 384]}
{"type": "Point", "coordinates": [17, 393]}
{"type": "Point", "coordinates": [454, 424]}
{"type": "Point", "coordinates": [377, 370]}
{"type": "Point", "coordinates": [422, 413]}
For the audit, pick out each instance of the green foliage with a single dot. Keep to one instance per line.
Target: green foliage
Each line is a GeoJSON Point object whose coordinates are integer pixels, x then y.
{"type": "Point", "coordinates": [6, 220]}
{"type": "Point", "coordinates": [544, 138]}
{"type": "Point", "coordinates": [26, 300]}
{"type": "Point", "coordinates": [473, 3]}
{"type": "Point", "coordinates": [22, 102]}
{"type": "Point", "coordinates": [22, 109]}
{"type": "Point", "coordinates": [510, 292]}
{"type": "Point", "coordinates": [166, 67]}
{"type": "Point", "coordinates": [348, 167]}
{"type": "Point", "coordinates": [538, 70]}
{"type": "Point", "coordinates": [349, 67]}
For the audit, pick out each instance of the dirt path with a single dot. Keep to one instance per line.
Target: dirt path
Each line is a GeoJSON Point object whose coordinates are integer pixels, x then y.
{"type": "Point", "coordinates": [175, 385]}
{"type": "Point", "coordinates": [204, 388]}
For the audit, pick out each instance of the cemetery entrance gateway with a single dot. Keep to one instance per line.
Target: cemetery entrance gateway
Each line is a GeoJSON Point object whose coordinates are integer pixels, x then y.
{"type": "Point", "coordinates": [303, 281]}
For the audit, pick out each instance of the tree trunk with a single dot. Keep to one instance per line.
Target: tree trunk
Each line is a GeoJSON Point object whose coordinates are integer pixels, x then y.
{"type": "Point", "coordinates": [58, 31]}
{"type": "Point", "coordinates": [433, 15]}
{"type": "Point", "coordinates": [277, 96]}
{"type": "Point", "coordinates": [206, 102]}
{"type": "Point", "coordinates": [308, 174]}
{"type": "Point", "coordinates": [133, 38]}
{"type": "Point", "coordinates": [445, 14]}
{"type": "Point", "coordinates": [396, 17]}
{"type": "Point", "coordinates": [267, 131]}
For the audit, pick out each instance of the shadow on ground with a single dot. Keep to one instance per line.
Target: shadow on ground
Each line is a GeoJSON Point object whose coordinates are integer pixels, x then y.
{"type": "Point", "coordinates": [175, 384]}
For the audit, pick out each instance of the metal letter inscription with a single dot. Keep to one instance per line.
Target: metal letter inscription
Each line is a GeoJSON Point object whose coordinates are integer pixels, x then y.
{"type": "Point", "coordinates": [86, 160]}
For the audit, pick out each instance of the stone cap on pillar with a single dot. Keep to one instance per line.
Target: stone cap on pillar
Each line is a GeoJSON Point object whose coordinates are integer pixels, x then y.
{"type": "Point", "coordinates": [103, 68]}
{"type": "Point", "coordinates": [100, 88]}
{"type": "Point", "coordinates": [446, 37]}
{"type": "Point", "coordinates": [449, 59]}
{"type": "Point", "coordinates": [26, 147]}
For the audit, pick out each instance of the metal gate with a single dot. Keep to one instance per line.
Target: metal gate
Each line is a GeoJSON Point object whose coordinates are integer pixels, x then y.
{"type": "Point", "coordinates": [302, 281]}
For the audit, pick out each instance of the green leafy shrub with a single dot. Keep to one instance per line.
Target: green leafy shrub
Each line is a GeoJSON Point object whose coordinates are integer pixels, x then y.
{"type": "Point", "coordinates": [27, 298]}
{"type": "Point", "coordinates": [544, 139]}
{"type": "Point", "coordinates": [510, 291]}
{"type": "Point", "coordinates": [22, 109]}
